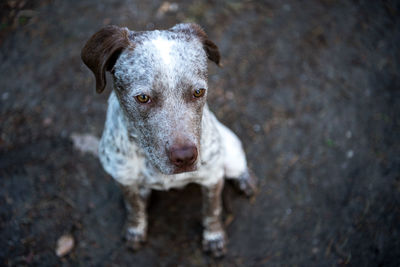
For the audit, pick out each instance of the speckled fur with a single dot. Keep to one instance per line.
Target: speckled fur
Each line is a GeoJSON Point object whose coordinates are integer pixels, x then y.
{"type": "Point", "coordinates": [132, 148]}
{"type": "Point", "coordinates": [168, 66]}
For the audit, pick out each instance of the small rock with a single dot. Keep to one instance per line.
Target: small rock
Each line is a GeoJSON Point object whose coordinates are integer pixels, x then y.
{"type": "Point", "coordinates": [4, 96]}
{"type": "Point", "coordinates": [64, 245]}
{"type": "Point", "coordinates": [256, 128]}
{"type": "Point", "coordinates": [350, 154]}
{"type": "Point", "coordinates": [287, 7]}
{"type": "Point", "coordinates": [47, 121]}
{"type": "Point", "coordinates": [315, 250]}
{"type": "Point", "coordinates": [106, 21]}
{"type": "Point", "coordinates": [173, 7]}
{"type": "Point", "coordinates": [229, 95]}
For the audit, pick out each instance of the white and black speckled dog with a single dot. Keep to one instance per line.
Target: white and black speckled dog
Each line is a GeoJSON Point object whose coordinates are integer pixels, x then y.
{"type": "Point", "coordinates": [159, 133]}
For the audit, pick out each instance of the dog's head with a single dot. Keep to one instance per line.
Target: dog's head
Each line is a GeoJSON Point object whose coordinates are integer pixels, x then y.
{"type": "Point", "coordinates": [160, 78]}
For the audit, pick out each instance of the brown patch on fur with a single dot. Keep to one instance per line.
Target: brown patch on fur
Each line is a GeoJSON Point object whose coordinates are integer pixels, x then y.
{"type": "Point", "coordinates": [102, 50]}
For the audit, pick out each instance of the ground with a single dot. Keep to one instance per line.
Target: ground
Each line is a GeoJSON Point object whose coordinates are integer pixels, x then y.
{"type": "Point", "coordinates": [311, 87]}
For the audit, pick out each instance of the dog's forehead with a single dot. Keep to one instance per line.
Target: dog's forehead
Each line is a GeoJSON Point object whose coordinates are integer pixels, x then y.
{"type": "Point", "coordinates": [166, 54]}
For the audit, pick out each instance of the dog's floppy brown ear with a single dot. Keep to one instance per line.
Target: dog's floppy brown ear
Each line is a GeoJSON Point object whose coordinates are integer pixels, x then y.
{"type": "Point", "coordinates": [102, 50]}
{"type": "Point", "coordinates": [210, 48]}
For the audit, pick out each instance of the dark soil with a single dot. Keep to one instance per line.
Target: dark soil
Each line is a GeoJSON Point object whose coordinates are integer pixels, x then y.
{"type": "Point", "coordinates": [311, 87]}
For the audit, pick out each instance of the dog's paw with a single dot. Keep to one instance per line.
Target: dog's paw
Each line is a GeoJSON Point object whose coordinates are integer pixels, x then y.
{"type": "Point", "coordinates": [247, 183]}
{"type": "Point", "coordinates": [214, 243]}
{"type": "Point", "coordinates": [135, 237]}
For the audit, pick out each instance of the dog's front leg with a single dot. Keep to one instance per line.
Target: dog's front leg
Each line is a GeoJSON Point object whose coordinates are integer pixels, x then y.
{"type": "Point", "coordinates": [136, 226]}
{"type": "Point", "coordinates": [213, 235]}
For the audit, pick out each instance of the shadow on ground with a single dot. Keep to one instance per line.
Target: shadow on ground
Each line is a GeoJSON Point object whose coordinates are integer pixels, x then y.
{"type": "Point", "coordinates": [312, 89]}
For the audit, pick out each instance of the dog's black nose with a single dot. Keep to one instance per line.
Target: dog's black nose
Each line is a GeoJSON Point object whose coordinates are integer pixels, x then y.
{"type": "Point", "coordinates": [182, 156]}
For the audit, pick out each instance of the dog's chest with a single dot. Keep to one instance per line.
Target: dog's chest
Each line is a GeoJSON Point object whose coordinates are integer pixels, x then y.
{"type": "Point", "coordinates": [205, 175]}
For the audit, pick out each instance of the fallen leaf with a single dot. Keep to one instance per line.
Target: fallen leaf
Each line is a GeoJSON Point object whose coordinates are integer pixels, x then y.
{"type": "Point", "coordinates": [64, 245]}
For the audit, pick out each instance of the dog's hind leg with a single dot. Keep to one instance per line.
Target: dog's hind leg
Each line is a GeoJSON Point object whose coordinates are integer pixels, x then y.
{"type": "Point", "coordinates": [235, 164]}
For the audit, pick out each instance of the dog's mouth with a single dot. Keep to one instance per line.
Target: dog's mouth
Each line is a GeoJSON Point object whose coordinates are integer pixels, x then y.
{"type": "Point", "coordinates": [178, 170]}
{"type": "Point", "coordinates": [171, 170]}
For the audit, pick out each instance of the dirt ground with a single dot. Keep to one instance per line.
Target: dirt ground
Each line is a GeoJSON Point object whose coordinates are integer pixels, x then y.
{"type": "Point", "coordinates": [311, 87]}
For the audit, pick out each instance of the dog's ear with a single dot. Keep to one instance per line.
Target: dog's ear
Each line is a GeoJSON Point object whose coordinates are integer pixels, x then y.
{"type": "Point", "coordinates": [102, 51]}
{"type": "Point", "coordinates": [194, 29]}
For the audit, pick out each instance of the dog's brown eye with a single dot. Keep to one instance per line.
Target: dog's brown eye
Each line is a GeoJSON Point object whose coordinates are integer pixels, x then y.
{"type": "Point", "coordinates": [199, 92]}
{"type": "Point", "coordinates": [143, 99]}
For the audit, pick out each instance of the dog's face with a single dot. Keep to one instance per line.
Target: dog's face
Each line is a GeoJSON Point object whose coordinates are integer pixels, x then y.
{"type": "Point", "coordinates": [162, 87]}
{"type": "Point", "coordinates": [160, 78]}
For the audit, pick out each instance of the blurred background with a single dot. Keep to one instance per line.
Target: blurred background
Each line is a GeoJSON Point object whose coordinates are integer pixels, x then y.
{"type": "Point", "coordinates": [311, 88]}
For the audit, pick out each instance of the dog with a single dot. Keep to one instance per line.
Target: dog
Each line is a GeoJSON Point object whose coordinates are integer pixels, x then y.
{"type": "Point", "coordinates": [159, 132]}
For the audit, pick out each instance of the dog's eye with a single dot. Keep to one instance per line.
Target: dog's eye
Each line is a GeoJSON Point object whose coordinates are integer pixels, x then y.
{"type": "Point", "coordinates": [143, 98]}
{"type": "Point", "coordinates": [199, 92]}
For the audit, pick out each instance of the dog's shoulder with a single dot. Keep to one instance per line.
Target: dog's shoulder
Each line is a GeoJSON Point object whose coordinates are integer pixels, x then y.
{"type": "Point", "coordinates": [211, 143]}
